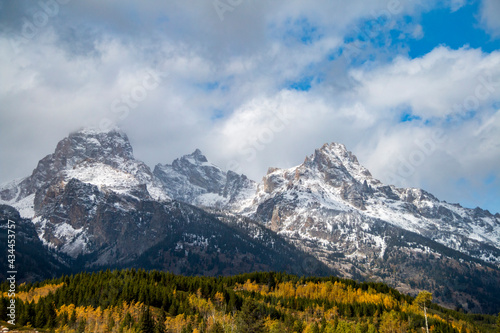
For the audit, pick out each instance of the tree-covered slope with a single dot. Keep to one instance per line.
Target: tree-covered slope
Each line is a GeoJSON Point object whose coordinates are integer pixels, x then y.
{"type": "Point", "coordinates": [141, 301]}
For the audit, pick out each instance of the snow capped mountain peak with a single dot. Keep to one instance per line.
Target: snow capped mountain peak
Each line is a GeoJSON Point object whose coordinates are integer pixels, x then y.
{"type": "Point", "coordinates": [104, 159]}
{"type": "Point", "coordinates": [340, 152]}
{"type": "Point", "coordinates": [338, 149]}
{"type": "Point", "coordinates": [193, 179]}
{"type": "Point", "coordinates": [331, 187]}
{"type": "Point", "coordinates": [197, 162]}
{"type": "Point", "coordinates": [198, 156]}
{"type": "Point", "coordinates": [101, 158]}
{"type": "Point", "coordinates": [99, 130]}
{"type": "Point", "coordinates": [89, 155]}
{"type": "Point", "coordinates": [87, 169]}
{"type": "Point", "coordinates": [330, 172]}
{"type": "Point", "coordinates": [103, 146]}
{"type": "Point", "coordinates": [339, 165]}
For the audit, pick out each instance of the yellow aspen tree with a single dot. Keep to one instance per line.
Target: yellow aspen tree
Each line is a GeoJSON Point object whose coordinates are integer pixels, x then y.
{"type": "Point", "coordinates": [423, 300]}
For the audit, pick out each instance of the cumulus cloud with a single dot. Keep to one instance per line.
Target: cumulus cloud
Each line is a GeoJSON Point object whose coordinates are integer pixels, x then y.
{"type": "Point", "coordinates": [443, 83]}
{"type": "Point", "coordinates": [262, 84]}
{"type": "Point", "coordinates": [442, 112]}
{"type": "Point", "coordinates": [490, 12]}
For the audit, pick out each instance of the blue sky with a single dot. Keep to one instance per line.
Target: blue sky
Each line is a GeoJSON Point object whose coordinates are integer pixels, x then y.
{"type": "Point", "coordinates": [263, 83]}
{"type": "Point", "coordinates": [455, 29]}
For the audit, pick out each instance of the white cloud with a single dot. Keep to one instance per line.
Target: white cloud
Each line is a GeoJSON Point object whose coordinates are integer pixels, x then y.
{"type": "Point", "coordinates": [442, 83]}
{"type": "Point", "coordinates": [456, 4]}
{"type": "Point", "coordinates": [455, 146]}
{"type": "Point", "coordinates": [490, 12]}
{"type": "Point", "coordinates": [418, 32]}
{"type": "Point", "coordinates": [224, 87]}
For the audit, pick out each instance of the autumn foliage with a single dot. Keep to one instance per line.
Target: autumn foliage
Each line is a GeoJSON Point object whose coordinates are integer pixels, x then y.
{"type": "Point", "coordinates": [140, 301]}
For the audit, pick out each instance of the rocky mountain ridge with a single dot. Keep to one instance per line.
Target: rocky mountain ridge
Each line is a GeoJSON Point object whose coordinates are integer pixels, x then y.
{"type": "Point", "coordinates": [194, 180]}
{"type": "Point", "coordinates": [331, 183]}
{"type": "Point", "coordinates": [99, 207]}
{"type": "Point", "coordinates": [96, 205]}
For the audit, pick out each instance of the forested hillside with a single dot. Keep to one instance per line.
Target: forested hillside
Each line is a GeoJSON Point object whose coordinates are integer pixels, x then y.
{"type": "Point", "coordinates": [140, 301]}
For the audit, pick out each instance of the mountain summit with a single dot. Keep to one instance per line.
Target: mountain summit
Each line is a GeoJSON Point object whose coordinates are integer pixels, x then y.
{"type": "Point", "coordinates": [104, 159]}
{"type": "Point", "coordinates": [330, 187]}
{"type": "Point", "coordinates": [194, 180]}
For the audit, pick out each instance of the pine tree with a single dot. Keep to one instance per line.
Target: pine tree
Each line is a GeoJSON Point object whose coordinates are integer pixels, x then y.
{"type": "Point", "coordinates": [41, 318]}
{"type": "Point", "coordinates": [187, 329]}
{"type": "Point", "coordinates": [172, 310]}
{"type": "Point", "coordinates": [63, 319]}
{"type": "Point", "coordinates": [127, 322]}
{"type": "Point", "coordinates": [160, 325]}
{"type": "Point", "coordinates": [111, 322]}
{"type": "Point", "coordinates": [72, 318]}
{"type": "Point", "coordinates": [81, 326]}
{"type": "Point", "coordinates": [250, 320]}
{"type": "Point", "coordinates": [146, 324]}
{"type": "Point", "coordinates": [24, 314]}
{"type": "Point", "coordinates": [31, 312]}
{"type": "Point", "coordinates": [51, 315]}
{"type": "Point", "coordinates": [216, 328]}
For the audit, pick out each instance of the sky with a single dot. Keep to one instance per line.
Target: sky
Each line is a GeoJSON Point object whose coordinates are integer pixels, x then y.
{"type": "Point", "coordinates": [412, 88]}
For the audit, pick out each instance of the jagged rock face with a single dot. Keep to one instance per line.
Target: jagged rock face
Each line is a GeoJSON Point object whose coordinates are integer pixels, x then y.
{"type": "Point", "coordinates": [104, 159]}
{"type": "Point", "coordinates": [331, 184]}
{"type": "Point", "coordinates": [338, 166]}
{"type": "Point", "coordinates": [33, 260]}
{"type": "Point", "coordinates": [110, 148]}
{"type": "Point", "coordinates": [91, 200]}
{"type": "Point", "coordinates": [101, 230]}
{"type": "Point", "coordinates": [199, 172]}
{"type": "Point", "coordinates": [332, 207]}
{"type": "Point", "coordinates": [79, 218]}
{"type": "Point", "coordinates": [98, 207]}
{"type": "Point", "coordinates": [194, 180]}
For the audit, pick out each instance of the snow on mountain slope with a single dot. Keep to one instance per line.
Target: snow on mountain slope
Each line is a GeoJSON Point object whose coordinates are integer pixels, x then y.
{"type": "Point", "coordinates": [194, 180]}
{"type": "Point", "coordinates": [92, 156]}
{"type": "Point", "coordinates": [103, 176]}
{"type": "Point", "coordinates": [331, 185]}
{"type": "Point", "coordinates": [70, 241]}
{"type": "Point", "coordinates": [87, 166]}
{"type": "Point", "coordinates": [91, 196]}
{"type": "Point", "coordinates": [446, 223]}
{"type": "Point", "coordinates": [10, 194]}
{"type": "Point", "coordinates": [329, 188]}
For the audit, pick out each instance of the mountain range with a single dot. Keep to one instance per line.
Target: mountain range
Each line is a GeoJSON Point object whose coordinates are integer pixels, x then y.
{"type": "Point", "coordinates": [91, 205]}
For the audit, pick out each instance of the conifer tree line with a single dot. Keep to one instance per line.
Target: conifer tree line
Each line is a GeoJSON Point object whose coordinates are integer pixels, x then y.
{"type": "Point", "coordinates": [141, 301]}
